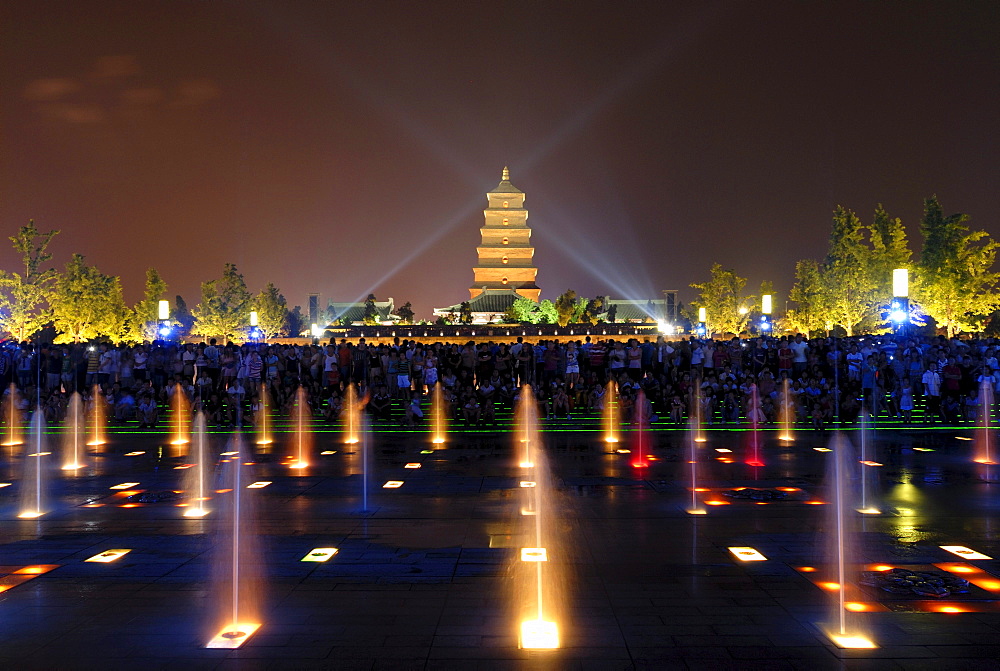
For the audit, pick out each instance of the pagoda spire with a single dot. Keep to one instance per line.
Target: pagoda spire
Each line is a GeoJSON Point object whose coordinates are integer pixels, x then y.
{"type": "Point", "coordinates": [505, 177]}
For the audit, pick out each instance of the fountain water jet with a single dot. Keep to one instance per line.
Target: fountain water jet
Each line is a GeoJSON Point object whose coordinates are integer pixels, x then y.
{"type": "Point", "coordinates": [438, 415]}
{"type": "Point", "coordinates": [237, 559]}
{"type": "Point", "coordinates": [869, 472]}
{"type": "Point", "coordinates": [755, 416]}
{"type": "Point", "coordinates": [303, 433]}
{"type": "Point", "coordinates": [12, 416]}
{"type": "Point", "coordinates": [695, 508]}
{"type": "Point", "coordinates": [985, 448]}
{"type": "Point", "coordinates": [181, 421]}
{"type": "Point", "coordinates": [263, 425]}
{"type": "Point", "coordinates": [98, 422]}
{"type": "Point", "coordinates": [640, 443]}
{"type": "Point", "coordinates": [845, 627]}
{"type": "Point", "coordinates": [196, 479]}
{"type": "Point", "coordinates": [610, 417]}
{"type": "Point", "coordinates": [33, 479]}
{"type": "Point", "coordinates": [696, 416]}
{"type": "Point", "coordinates": [352, 415]}
{"type": "Point", "coordinates": [73, 434]}
{"type": "Point", "coordinates": [787, 413]}
{"type": "Point", "coordinates": [539, 595]}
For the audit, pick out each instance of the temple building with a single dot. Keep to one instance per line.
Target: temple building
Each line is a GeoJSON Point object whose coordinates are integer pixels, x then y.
{"type": "Point", "coordinates": [505, 255]}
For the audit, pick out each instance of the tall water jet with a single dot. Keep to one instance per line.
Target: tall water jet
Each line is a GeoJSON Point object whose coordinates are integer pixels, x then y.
{"type": "Point", "coordinates": [610, 418]}
{"type": "Point", "coordinates": [694, 427]}
{"type": "Point", "coordinates": [237, 558]}
{"type": "Point", "coordinates": [845, 627]}
{"type": "Point", "coordinates": [985, 446]}
{"type": "Point", "coordinates": [262, 418]}
{"type": "Point", "coordinates": [73, 435]}
{"type": "Point", "coordinates": [439, 413]}
{"type": "Point", "coordinates": [787, 413]}
{"type": "Point", "coordinates": [33, 480]}
{"type": "Point", "coordinates": [196, 479]}
{"type": "Point", "coordinates": [869, 469]}
{"type": "Point", "coordinates": [539, 593]}
{"type": "Point", "coordinates": [640, 442]}
{"type": "Point", "coordinates": [365, 439]}
{"type": "Point", "coordinates": [12, 418]}
{"type": "Point", "coordinates": [697, 416]}
{"type": "Point", "coordinates": [755, 417]}
{"type": "Point", "coordinates": [98, 422]}
{"type": "Point", "coordinates": [351, 413]}
{"type": "Point", "coordinates": [181, 421]}
{"type": "Point", "coordinates": [302, 416]}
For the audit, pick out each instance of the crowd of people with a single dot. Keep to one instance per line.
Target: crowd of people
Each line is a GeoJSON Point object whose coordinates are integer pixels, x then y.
{"type": "Point", "coordinates": [818, 381]}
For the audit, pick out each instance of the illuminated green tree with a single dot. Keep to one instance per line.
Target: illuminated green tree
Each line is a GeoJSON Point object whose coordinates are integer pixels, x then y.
{"type": "Point", "coordinates": [848, 275]}
{"type": "Point", "coordinates": [565, 307]}
{"type": "Point", "coordinates": [727, 307]}
{"type": "Point", "coordinates": [547, 313]}
{"type": "Point", "coordinates": [87, 304]}
{"type": "Point", "coordinates": [24, 296]}
{"type": "Point", "coordinates": [224, 310]}
{"type": "Point", "coordinates": [272, 311]}
{"type": "Point", "coordinates": [810, 296]}
{"type": "Point", "coordinates": [954, 283]}
{"type": "Point", "coordinates": [143, 322]}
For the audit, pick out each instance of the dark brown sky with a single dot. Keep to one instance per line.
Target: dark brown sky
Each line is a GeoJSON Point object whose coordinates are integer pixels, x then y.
{"type": "Point", "coordinates": [347, 147]}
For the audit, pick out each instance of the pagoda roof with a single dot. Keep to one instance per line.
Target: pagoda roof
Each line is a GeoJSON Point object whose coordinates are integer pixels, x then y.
{"type": "Point", "coordinates": [493, 301]}
{"type": "Point", "coordinates": [505, 186]}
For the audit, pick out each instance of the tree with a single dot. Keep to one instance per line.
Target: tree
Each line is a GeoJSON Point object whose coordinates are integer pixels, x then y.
{"type": "Point", "coordinates": [272, 311]}
{"type": "Point", "coordinates": [523, 311]}
{"type": "Point", "coordinates": [465, 313]}
{"type": "Point", "coordinates": [24, 297]}
{"type": "Point", "coordinates": [848, 274]}
{"type": "Point", "coordinates": [953, 282]}
{"type": "Point", "coordinates": [370, 314]}
{"type": "Point", "coordinates": [612, 313]}
{"type": "Point", "coordinates": [727, 308]}
{"type": "Point", "coordinates": [405, 312]}
{"type": "Point", "coordinates": [809, 295]}
{"type": "Point", "coordinates": [547, 313]}
{"type": "Point", "coordinates": [224, 310]}
{"type": "Point", "coordinates": [294, 324]}
{"type": "Point", "coordinates": [144, 317]}
{"type": "Point", "coordinates": [87, 304]}
{"type": "Point", "coordinates": [592, 310]}
{"type": "Point", "coordinates": [565, 307]}
{"type": "Point", "coordinates": [182, 316]}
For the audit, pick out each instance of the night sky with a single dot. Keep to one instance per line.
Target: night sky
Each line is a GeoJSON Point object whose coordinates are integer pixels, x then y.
{"type": "Point", "coordinates": [346, 148]}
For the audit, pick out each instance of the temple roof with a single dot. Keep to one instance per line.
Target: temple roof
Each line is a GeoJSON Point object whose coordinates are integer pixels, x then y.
{"type": "Point", "coordinates": [505, 186]}
{"type": "Point", "coordinates": [493, 301]}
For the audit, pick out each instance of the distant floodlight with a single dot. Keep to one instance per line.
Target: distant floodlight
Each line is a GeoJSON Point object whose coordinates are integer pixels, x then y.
{"type": "Point", "coordinates": [164, 331]}
{"type": "Point", "coordinates": [664, 327]}
{"type": "Point", "coordinates": [164, 310]}
{"type": "Point", "coordinates": [316, 331]}
{"type": "Point", "coordinates": [901, 283]}
{"type": "Point", "coordinates": [897, 314]}
{"type": "Point", "coordinates": [765, 304]}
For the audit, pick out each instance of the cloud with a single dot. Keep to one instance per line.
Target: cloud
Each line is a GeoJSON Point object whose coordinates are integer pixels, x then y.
{"type": "Point", "coordinates": [195, 92]}
{"type": "Point", "coordinates": [141, 97]}
{"type": "Point", "coordinates": [115, 67]}
{"type": "Point", "coordinates": [75, 113]}
{"type": "Point", "coordinates": [50, 89]}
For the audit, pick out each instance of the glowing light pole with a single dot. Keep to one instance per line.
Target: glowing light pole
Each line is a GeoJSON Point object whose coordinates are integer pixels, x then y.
{"type": "Point", "coordinates": [254, 330]}
{"type": "Point", "coordinates": [765, 313]}
{"type": "Point", "coordinates": [899, 313]}
{"type": "Point", "coordinates": [163, 316]}
{"type": "Point", "coordinates": [702, 318]}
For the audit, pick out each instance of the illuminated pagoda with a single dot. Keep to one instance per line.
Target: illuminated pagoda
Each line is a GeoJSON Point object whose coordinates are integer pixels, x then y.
{"type": "Point", "coordinates": [505, 255]}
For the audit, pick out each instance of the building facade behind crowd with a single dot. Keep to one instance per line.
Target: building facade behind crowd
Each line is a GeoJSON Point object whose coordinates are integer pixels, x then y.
{"type": "Point", "coordinates": [734, 381]}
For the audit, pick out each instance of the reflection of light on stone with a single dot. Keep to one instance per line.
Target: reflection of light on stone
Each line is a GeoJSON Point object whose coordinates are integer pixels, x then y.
{"type": "Point", "coordinates": [525, 511]}
{"type": "Point", "coordinates": [815, 503]}
{"type": "Point", "coordinates": [183, 466]}
{"type": "Point", "coordinates": [228, 454]}
{"type": "Point", "coordinates": [856, 607]}
{"type": "Point", "coordinates": [259, 485]}
{"type": "Point", "coordinates": [195, 512]}
{"type": "Point", "coordinates": [36, 570]}
{"type": "Point", "coordinates": [869, 511]}
{"type": "Point", "coordinates": [623, 451]}
{"type": "Point", "coordinates": [716, 502]}
{"type": "Point", "coordinates": [527, 483]}
{"type": "Point", "coordinates": [412, 464]}
{"type": "Point", "coordinates": [723, 450]}
{"type": "Point", "coordinates": [233, 636]}
{"type": "Point", "coordinates": [527, 464]}
{"type": "Point", "coordinates": [747, 554]}
{"type": "Point", "coordinates": [822, 449]}
{"type": "Point", "coordinates": [320, 554]}
{"type": "Point", "coordinates": [30, 514]}
{"type": "Point", "coordinates": [696, 511]}
{"type": "Point", "coordinates": [393, 484]}
{"type": "Point", "coordinates": [964, 552]}
{"type": "Point", "coordinates": [807, 569]}
{"type": "Point", "coordinates": [299, 464]}
{"type": "Point", "coordinates": [922, 449]}
{"type": "Point", "coordinates": [831, 586]}
{"type": "Point", "coordinates": [326, 452]}
{"type": "Point", "coordinates": [124, 485]}
{"type": "Point", "coordinates": [108, 556]}
{"type": "Point", "coordinates": [133, 454]}
{"type": "Point", "coordinates": [870, 463]}
{"type": "Point", "coordinates": [539, 635]}
{"type": "Point", "coordinates": [881, 567]}
{"type": "Point", "coordinates": [4, 484]}
{"type": "Point", "coordinates": [950, 609]}
{"type": "Point", "coordinates": [853, 641]}
{"type": "Point", "coordinates": [534, 554]}
{"type": "Point", "coordinates": [39, 454]}
{"type": "Point", "coordinates": [426, 451]}
{"type": "Point", "coordinates": [962, 438]}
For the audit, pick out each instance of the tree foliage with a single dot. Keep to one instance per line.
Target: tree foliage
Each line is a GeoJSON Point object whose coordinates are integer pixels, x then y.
{"type": "Point", "coordinates": [272, 311]}
{"type": "Point", "coordinates": [370, 314]}
{"type": "Point", "coordinates": [722, 297]}
{"type": "Point", "coordinates": [809, 295]}
{"type": "Point", "coordinates": [24, 296]}
{"type": "Point", "coordinates": [565, 305]}
{"type": "Point", "coordinates": [87, 304]}
{"type": "Point", "coordinates": [465, 313]}
{"type": "Point", "coordinates": [954, 283]}
{"type": "Point", "coordinates": [405, 313]}
{"type": "Point", "coordinates": [224, 310]}
{"type": "Point", "coordinates": [143, 322]}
